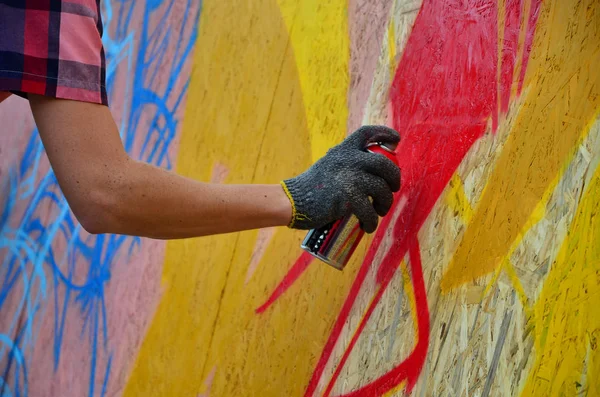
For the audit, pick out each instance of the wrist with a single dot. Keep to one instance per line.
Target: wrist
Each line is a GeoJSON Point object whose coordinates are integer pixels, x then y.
{"type": "Point", "coordinates": [284, 207]}
{"type": "Point", "coordinates": [292, 204]}
{"type": "Point", "coordinates": [302, 199]}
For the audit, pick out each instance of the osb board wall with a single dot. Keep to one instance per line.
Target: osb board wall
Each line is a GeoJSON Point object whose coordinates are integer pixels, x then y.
{"type": "Point", "coordinates": [483, 280]}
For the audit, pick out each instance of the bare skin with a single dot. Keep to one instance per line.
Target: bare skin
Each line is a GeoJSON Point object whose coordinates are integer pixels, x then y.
{"type": "Point", "coordinates": [109, 192]}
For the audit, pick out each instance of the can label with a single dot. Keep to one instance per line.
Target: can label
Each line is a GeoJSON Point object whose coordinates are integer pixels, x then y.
{"type": "Point", "coordinates": [335, 243]}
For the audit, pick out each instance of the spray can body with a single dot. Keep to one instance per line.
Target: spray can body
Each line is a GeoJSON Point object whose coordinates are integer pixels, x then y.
{"type": "Point", "coordinates": [335, 242]}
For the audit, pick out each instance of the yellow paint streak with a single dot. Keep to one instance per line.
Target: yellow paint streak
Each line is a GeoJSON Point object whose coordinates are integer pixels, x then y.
{"type": "Point", "coordinates": [395, 390]}
{"type": "Point", "coordinates": [410, 293]}
{"type": "Point", "coordinates": [320, 39]}
{"type": "Point", "coordinates": [458, 202]}
{"type": "Point", "coordinates": [244, 72]}
{"type": "Point", "coordinates": [563, 96]}
{"type": "Point", "coordinates": [506, 265]}
{"type": "Point", "coordinates": [267, 97]}
{"type": "Point", "coordinates": [391, 43]}
{"type": "Point", "coordinates": [457, 199]}
{"type": "Point", "coordinates": [489, 285]}
{"type": "Point", "coordinates": [567, 311]}
{"type": "Point", "coordinates": [517, 285]}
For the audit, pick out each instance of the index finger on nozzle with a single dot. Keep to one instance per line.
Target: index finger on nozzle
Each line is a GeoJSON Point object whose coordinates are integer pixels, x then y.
{"type": "Point", "coordinates": [375, 134]}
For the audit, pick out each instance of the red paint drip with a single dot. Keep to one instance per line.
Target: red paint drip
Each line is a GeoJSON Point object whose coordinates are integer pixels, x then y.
{"type": "Point", "coordinates": [411, 367]}
{"type": "Point", "coordinates": [442, 97]}
{"type": "Point", "coordinates": [534, 13]}
{"type": "Point", "coordinates": [297, 269]}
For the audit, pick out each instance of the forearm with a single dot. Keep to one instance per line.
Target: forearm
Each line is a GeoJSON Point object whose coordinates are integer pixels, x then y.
{"type": "Point", "coordinates": [152, 202]}
{"type": "Point", "coordinates": [111, 193]}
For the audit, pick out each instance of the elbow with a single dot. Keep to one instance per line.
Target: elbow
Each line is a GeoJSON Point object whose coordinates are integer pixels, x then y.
{"type": "Point", "coordinates": [97, 210]}
{"type": "Point", "coordinates": [94, 224]}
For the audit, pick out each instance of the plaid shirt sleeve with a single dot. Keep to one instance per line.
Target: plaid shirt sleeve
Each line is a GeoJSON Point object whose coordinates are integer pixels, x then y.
{"type": "Point", "coordinates": [52, 48]}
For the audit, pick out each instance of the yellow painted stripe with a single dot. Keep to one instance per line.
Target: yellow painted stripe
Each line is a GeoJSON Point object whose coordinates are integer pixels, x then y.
{"type": "Point", "coordinates": [242, 58]}
{"type": "Point", "coordinates": [320, 39]}
{"type": "Point", "coordinates": [567, 312]}
{"type": "Point", "coordinates": [410, 293]}
{"type": "Point", "coordinates": [268, 97]}
{"type": "Point", "coordinates": [492, 282]}
{"type": "Point", "coordinates": [517, 285]}
{"type": "Point", "coordinates": [560, 102]}
{"type": "Point", "coordinates": [396, 390]}
{"type": "Point", "coordinates": [391, 44]}
{"type": "Point", "coordinates": [457, 200]}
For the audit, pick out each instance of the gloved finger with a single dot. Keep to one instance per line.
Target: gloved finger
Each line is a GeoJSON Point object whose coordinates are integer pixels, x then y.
{"type": "Point", "coordinates": [364, 211]}
{"type": "Point", "coordinates": [379, 165]}
{"type": "Point", "coordinates": [360, 138]}
{"type": "Point", "coordinates": [378, 190]}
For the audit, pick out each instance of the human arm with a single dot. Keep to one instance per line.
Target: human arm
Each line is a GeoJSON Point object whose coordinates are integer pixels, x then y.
{"type": "Point", "coordinates": [111, 193]}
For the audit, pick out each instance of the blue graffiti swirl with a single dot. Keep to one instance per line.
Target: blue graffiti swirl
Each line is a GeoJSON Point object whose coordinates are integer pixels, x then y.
{"type": "Point", "coordinates": [41, 242]}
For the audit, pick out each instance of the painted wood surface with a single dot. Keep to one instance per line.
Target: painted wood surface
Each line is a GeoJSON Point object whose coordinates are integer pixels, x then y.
{"type": "Point", "coordinates": [74, 308]}
{"type": "Point", "coordinates": [483, 280]}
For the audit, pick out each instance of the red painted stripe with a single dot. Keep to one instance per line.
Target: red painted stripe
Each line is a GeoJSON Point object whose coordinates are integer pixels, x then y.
{"type": "Point", "coordinates": [442, 96]}
{"type": "Point", "coordinates": [534, 13]}
{"type": "Point", "coordinates": [355, 337]}
{"type": "Point", "coordinates": [297, 269]}
{"type": "Point", "coordinates": [411, 367]}
{"type": "Point", "coordinates": [341, 320]}
{"type": "Point", "coordinates": [444, 93]}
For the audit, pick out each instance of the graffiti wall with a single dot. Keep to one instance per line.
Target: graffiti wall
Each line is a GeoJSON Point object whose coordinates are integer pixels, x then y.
{"type": "Point", "coordinates": [483, 280]}
{"type": "Point", "coordinates": [74, 308]}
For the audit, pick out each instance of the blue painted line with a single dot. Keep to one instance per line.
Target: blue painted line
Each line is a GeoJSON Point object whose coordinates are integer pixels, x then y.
{"type": "Point", "coordinates": [37, 272]}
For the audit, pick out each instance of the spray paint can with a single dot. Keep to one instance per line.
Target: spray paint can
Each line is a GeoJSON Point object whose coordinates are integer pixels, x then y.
{"type": "Point", "coordinates": [335, 242]}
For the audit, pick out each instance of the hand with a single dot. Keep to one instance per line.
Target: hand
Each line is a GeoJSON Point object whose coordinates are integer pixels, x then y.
{"type": "Point", "coordinates": [343, 180]}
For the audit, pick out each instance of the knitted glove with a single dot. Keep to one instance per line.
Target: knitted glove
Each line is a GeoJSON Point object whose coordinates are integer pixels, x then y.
{"type": "Point", "coordinates": [343, 180]}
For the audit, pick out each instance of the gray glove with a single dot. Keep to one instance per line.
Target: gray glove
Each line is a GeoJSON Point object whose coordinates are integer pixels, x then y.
{"type": "Point", "coordinates": [343, 180]}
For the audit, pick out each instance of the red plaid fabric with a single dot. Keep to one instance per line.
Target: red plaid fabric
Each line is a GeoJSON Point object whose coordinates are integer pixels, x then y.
{"type": "Point", "coordinates": [52, 48]}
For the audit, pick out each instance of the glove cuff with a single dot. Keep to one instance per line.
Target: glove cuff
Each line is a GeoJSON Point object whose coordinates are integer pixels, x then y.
{"type": "Point", "coordinates": [301, 198]}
